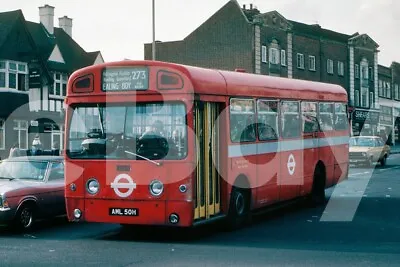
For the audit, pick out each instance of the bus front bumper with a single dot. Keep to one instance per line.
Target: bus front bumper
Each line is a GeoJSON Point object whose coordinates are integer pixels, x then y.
{"type": "Point", "coordinates": [149, 212]}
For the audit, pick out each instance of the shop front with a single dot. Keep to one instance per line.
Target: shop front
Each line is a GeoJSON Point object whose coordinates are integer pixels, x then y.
{"type": "Point", "coordinates": [396, 118]}
{"type": "Point", "coordinates": [365, 122]}
{"type": "Point", "coordinates": [386, 124]}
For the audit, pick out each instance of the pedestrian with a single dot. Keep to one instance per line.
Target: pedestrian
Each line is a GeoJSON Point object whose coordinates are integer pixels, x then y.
{"type": "Point", "coordinates": [36, 146]}
{"type": "Point", "coordinates": [14, 150]}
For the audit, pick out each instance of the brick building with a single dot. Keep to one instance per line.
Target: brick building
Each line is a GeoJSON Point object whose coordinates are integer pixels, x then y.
{"type": "Point", "coordinates": [389, 100]}
{"type": "Point", "coordinates": [35, 62]}
{"type": "Point", "coordinates": [270, 44]}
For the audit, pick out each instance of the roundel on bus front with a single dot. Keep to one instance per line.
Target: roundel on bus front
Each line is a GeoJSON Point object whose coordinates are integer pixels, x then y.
{"type": "Point", "coordinates": [129, 185]}
{"type": "Point", "coordinates": [291, 164]}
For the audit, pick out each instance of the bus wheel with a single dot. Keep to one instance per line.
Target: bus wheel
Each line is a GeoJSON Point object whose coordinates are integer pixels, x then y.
{"type": "Point", "coordinates": [318, 188]}
{"type": "Point", "coordinates": [239, 208]}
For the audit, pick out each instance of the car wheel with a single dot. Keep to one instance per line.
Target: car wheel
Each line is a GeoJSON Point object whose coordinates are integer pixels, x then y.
{"type": "Point", "coordinates": [383, 160]}
{"type": "Point", "coordinates": [25, 217]}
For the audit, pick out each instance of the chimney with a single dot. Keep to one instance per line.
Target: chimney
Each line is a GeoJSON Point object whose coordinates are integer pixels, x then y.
{"type": "Point", "coordinates": [66, 24]}
{"type": "Point", "coordinates": [251, 6]}
{"type": "Point", "coordinates": [244, 7]}
{"type": "Point", "coordinates": [46, 14]}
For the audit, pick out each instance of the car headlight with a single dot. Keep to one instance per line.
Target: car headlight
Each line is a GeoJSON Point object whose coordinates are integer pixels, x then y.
{"type": "Point", "coordinates": [364, 154]}
{"type": "Point", "coordinates": [92, 186]}
{"type": "Point", "coordinates": [3, 203]}
{"type": "Point", "coordinates": [156, 188]}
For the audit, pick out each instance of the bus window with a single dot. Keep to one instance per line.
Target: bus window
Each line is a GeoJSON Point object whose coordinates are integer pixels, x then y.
{"type": "Point", "coordinates": [341, 122]}
{"type": "Point", "coordinates": [290, 119]}
{"type": "Point", "coordinates": [267, 123]}
{"type": "Point", "coordinates": [326, 116]}
{"type": "Point", "coordinates": [309, 114]}
{"type": "Point", "coordinates": [242, 120]}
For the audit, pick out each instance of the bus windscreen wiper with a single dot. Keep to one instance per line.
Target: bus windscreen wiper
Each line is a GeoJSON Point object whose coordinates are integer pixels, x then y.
{"type": "Point", "coordinates": [134, 154]}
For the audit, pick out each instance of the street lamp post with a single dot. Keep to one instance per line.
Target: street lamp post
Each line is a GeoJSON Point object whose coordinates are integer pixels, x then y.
{"type": "Point", "coordinates": [153, 50]}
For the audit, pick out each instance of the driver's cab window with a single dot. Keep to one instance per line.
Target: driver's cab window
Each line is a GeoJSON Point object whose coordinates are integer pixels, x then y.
{"type": "Point", "coordinates": [56, 171]}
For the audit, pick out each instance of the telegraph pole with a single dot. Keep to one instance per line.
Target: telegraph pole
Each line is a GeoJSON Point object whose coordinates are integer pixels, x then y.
{"type": "Point", "coordinates": [154, 33]}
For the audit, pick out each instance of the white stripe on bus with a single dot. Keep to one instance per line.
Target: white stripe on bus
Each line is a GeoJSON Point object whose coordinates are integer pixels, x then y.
{"type": "Point", "coordinates": [284, 146]}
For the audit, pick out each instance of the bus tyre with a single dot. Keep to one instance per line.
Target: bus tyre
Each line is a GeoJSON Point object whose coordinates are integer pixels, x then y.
{"type": "Point", "coordinates": [317, 196]}
{"type": "Point", "coordinates": [25, 217]}
{"type": "Point", "coordinates": [239, 209]}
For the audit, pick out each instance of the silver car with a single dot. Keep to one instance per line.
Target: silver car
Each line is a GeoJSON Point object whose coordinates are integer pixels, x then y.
{"type": "Point", "coordinates": [31, 188]}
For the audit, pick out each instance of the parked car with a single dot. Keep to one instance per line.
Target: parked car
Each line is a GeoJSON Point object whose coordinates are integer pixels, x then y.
{"type": "Point", "coordinates": [31, 188]}
{"type": "Point", "coordinates": [368, 150]}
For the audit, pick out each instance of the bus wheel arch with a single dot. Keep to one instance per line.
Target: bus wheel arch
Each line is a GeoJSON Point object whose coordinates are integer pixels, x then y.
{"type": "Point", "coordinates": [317, 196]}
{"type": "Point", "coordinates": [239, 203]}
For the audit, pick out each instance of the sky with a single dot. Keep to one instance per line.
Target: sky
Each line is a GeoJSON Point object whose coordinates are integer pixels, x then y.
{"type": "Point", "coordinates": [119, 28]}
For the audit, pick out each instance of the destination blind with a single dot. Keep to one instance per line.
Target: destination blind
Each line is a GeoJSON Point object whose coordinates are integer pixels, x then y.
{"type": "Point", "coordinates": [125, 79]}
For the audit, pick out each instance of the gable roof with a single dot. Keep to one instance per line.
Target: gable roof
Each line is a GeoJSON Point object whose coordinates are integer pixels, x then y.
{"type": "Point", "coordinates": [74, 55]}
{"type": "Point", "coordinates": [44, 43]}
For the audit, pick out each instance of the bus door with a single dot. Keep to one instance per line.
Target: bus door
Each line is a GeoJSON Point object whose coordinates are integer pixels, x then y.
{"type": "Point", "coordinates": [207, 194]}
{"type": "Point", "coordinates": [310, 132]}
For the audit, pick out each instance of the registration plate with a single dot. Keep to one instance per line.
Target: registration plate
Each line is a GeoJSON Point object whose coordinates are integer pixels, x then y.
{"type": "Point", "coordinates": [123, 212]}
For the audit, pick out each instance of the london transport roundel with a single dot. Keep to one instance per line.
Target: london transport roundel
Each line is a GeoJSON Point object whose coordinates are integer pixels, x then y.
{"type": "Point", "coordinates": [119, 183]}
{"type": "Point", "coordinates": [291, 164]}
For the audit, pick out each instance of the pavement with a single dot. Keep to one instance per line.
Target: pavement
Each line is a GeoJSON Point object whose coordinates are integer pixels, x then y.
{"type": "Point", "coordinates": [395, 149]}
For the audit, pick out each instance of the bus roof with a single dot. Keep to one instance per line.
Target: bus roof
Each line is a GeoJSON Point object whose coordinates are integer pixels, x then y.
{"type": "Point", "coordinates": [232, 83]}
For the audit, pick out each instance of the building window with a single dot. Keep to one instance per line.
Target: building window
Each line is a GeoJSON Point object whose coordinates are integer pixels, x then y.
{"type": "Point", "coordinates": [2, 134]}
{"type": "Point", "coordinates": [340, 66]}
{"type": "Point", "coordinates": [283, 57]}
{"type": "Point", "coordinates": [273, 56]}
{"type": "Point", "coordinates": [370, 73]}
{"type": "Point", "coordinates": [356, 98]}
{"type": "Point", "coordinates": [22, 131]}
{"type": "Point", "coordinates": [364, 72]}
{"type": "Point", "coordinates": [264, 54]}
{"type": "Point", "coordinates": [300, 61]}
{"type": "Point", "coordinates": [59, 87]}
{"type": "Point", "coordinates": [387, 90]}
{"type": "Point", "coordinates": [371, 99]}
{"type": "Point", "coordinates": [329, 66]}
{"type": "Point", "coordinates": [396, 92]}
{"type": "Point", "coordinates": [311, 63]}
{"type": "Point", "coordinates": [357, 71]}
{"type": "Point", "coordinates": [364, 97]}
{"type": "Point", "coordinates": [14, 75]}
{"type": "Point", "coordinates": [380, 85]}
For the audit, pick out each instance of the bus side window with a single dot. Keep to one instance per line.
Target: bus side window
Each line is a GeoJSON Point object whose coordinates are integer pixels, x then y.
{"type": "Point", "coordinates": [242, 120]}
{"type": "Point", "coordinates": [326, 116]}
{"type": "Point", "coordinates": [309, 114]}
{"type": "Point", "coordinates": [290, 119]}
{"type": "Point", "coordinates": [267, 120]}
{"type": "Point", "coordinates": [340, 119]}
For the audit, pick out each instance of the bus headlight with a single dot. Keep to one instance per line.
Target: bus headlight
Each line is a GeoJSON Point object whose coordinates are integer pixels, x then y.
{"type": "Point", "coordinates": [156, 188]}
{"type": "Point", "coordinates": [92, 186]}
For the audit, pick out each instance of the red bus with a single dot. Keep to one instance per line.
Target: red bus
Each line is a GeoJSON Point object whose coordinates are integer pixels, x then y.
{"type": "Point", "coordinates": [156, 143]}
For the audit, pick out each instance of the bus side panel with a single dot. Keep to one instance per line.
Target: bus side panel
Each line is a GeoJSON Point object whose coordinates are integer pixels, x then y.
{"type": "Point", "coordinates": [268, 169]}
{"type": "Point", "coordinates": [341, 156]}
{"type": "Point", "coordinates": [326, 150]}
{"type": "Point", "coordinates": [292, 170]}
{"type": "Point", "coordinates": [244, 166]}
{"type": "Point", "coordinates": [310, 159]}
